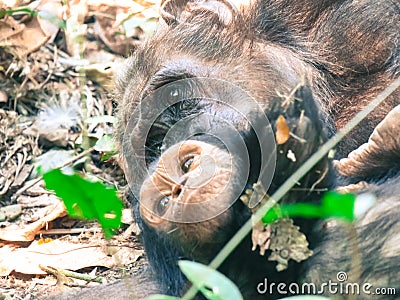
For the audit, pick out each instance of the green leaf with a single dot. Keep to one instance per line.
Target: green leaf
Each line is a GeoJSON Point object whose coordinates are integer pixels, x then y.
{"type": "Point", "coordinates": [333, 204]}
{"type": "Point", "coordinates": [272, 215]}
{"type": "Point", "coordinates": [86, 199]}
{"type": "Point", "coordinates": [212, 284]}
{"type": "Point", "coordinates": [338, 205]}
{"type": "Point", "coordinates": [105, 144]}
{"type": "Point", "coordinates": [162, 297]}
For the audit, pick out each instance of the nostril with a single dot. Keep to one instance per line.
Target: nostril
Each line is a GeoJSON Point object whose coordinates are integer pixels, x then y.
{"type": "Point", "coordinates": [177, 188]}
{"type": "Point", "coordinates": [176, 191]}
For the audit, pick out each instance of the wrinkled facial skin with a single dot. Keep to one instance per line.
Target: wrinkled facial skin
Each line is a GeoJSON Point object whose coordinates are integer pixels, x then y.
{"type": "Point", "coordinates": [192, 179]}
{"type": "Point", "coordinates": [189, 177]}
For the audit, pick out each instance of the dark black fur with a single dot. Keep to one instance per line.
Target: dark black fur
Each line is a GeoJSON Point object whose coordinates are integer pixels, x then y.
{"type": "Point", "coordinates": [348, 51]}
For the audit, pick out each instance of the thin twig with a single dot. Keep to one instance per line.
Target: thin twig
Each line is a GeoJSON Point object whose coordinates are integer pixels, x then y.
{"type": "Point", "coordinates": [57, 271]}
{"type": "Point", "coordinates": [68, 231]}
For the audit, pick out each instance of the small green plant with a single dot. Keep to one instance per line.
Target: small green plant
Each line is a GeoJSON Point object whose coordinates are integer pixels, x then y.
{"type": "Point", "coordinates": [211, 283]}
{"type": "Point", "coordinates": [105, 143]}
{"type": "Point", "coordinates": [106, 146]}
{"type": "Point", "coordinates": [86, 199]}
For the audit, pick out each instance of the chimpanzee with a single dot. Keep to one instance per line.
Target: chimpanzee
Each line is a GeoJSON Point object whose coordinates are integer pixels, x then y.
{"type": "Point", "coordinates": [192, 140]}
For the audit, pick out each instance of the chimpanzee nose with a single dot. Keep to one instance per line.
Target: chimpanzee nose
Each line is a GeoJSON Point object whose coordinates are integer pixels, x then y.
{"type": "Point", "coordinates": [178, 187]}
{"type": "Point", "coordinates": [176, 191]}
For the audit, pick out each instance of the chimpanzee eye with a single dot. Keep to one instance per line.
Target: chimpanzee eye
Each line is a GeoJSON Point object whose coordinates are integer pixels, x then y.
{"type": "Point", "coordinates": [174, 92]}
{"type": "Point", "coordinates": [186, 165]}
{"type": "Point", "coordinates": [178, 92]}
{"type": "Point", "coordinates": [163, 205]}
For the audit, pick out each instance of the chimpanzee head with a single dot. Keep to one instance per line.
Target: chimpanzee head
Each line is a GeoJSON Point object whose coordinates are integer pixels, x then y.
{"type": "Point", "coordinates": [199, 119]}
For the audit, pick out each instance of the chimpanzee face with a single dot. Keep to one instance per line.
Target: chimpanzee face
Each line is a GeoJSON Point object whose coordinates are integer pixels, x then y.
{"type": "Point", "coordinates": [188, 148]}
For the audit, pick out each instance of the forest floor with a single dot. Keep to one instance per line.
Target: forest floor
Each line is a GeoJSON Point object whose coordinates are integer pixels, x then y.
{"type": "Point", "coordinates": [57, 63]}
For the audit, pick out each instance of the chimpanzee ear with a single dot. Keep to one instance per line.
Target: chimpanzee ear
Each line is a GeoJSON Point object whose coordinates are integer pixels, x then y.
{"type": "Point", "coordinates": [299, 131]}
{"type": "Point", "coordinates": [378, 157]}
{"type": "Point", "coordinates": [174, 12]}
